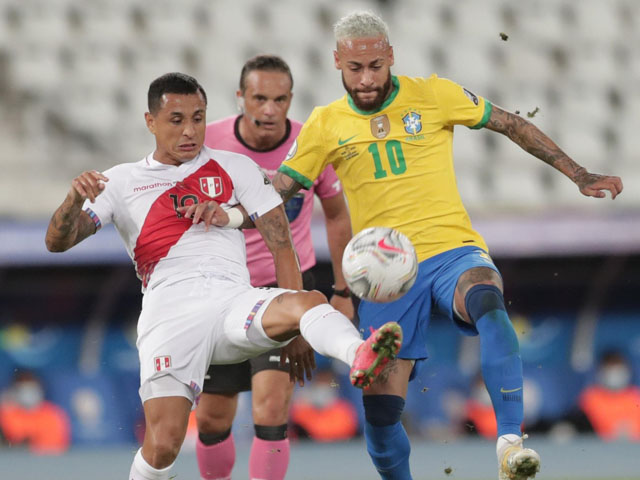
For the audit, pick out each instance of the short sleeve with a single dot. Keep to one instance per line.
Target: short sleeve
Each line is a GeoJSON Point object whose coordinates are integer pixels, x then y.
{"type": "Point", "coordinates": [253, 188]}
{"type": "Point", "coordinates": [328, 185]}
{"type": "Point", "coordinates": [101, 211]}
{"type": "Point", "coordinates": [460, 106]}
{"type": "Point", "coordinates": [307, 157]}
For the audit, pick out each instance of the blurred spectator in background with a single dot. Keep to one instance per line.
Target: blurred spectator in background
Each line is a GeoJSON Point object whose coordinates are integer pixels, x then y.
{"type": "Point", "coordinates": [319, 412]}
{"type": "Point", "coordinates": [611, 405]}
{"type": "Point", "coordinates": [26, 418]}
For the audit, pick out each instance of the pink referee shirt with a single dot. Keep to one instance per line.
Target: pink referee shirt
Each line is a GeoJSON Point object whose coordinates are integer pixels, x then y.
{"type": "Point", "coordinates": [223, 135]}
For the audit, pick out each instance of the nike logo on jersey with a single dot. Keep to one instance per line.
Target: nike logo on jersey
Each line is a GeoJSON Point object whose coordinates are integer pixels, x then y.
{"type": "Point", "coordinates": [391, 248]}
{"type": "Point", "coordinates": [342, 142]}
{"type": "Point", "coordinates": [504, 390]}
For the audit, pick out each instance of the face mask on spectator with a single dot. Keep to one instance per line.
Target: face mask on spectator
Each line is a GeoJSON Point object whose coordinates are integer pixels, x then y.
{"type": "Point", "coordinates": [28, 394]}
{"type": "Point", "coordinates": [615, 377]}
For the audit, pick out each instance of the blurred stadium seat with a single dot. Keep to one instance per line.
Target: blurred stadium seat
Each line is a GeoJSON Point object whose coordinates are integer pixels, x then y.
{"type": "Point", "coordinates": [72, 58]}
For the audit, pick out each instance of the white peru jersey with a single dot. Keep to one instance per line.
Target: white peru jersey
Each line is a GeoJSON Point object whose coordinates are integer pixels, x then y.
{"type": "Point", "coordinates": [141, 198]}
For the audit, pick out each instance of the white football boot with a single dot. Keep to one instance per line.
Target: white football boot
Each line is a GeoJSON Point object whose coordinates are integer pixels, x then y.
{"type": "Point", "coordinates": [516, 462]}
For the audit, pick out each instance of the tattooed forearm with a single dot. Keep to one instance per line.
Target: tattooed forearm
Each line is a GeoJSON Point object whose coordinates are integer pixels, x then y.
{"type": "Point", "coordinates": [532, 140]}
{"type": "Point", "coordinates": [285, 186]}
{"type": "Point", "coordinates": [68, 226]}
{"type": "Point", "coordinates": [274, 228]}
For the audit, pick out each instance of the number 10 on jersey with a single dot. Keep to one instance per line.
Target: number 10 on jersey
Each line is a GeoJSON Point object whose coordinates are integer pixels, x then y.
{"type": "Point", "coordinates": [394, 156]}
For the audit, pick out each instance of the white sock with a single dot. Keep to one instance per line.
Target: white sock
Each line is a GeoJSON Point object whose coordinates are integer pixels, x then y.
{"type": "Point", "coordinates": [504, 441]}
{"type": "Point", "coordinates": [330, 333]}
{"type": "Point", "coordinates": [141, 470]}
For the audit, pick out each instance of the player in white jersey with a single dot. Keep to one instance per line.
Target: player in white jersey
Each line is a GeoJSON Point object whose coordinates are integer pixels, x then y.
{"type": "Point", "coordinates": [198, 308]}
{"type": "Point", "coordinates": [263, 132]}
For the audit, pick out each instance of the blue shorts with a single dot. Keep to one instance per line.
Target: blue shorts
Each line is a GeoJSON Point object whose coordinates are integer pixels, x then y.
{"type": "Point", "coordinates": [431, 294]}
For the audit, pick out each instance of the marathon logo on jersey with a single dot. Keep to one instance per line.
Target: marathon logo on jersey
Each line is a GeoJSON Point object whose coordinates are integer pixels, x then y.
{"type": "Point", "coordinates": [162, 363]}
{"type": "Point", "coordinates": [412, 123]}
{"type": "Point", "coordinates": [211, 186]}
{"type": "Point", "coordinates": [253, 314]}
{"type": "Point", "coordinates": [380, 126]}
{"type": "Point", "coordinates": [470, 96]}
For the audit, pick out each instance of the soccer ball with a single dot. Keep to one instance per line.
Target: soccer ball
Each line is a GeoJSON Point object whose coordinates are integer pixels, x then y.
{"type": "Point", "coordinates": [380, 264]}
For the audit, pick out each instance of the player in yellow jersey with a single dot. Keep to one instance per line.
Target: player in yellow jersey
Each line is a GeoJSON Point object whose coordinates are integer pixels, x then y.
{"type": "Point", "coordinates": [390, 141]}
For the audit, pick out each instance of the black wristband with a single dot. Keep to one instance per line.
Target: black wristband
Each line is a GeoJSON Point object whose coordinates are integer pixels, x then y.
{"type": "Point", "coordinates": [345, 292]}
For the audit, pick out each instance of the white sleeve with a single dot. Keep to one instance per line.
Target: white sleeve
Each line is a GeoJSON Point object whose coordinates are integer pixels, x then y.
{"type": "Point", "coordinates": [101, 211]}
{"type": "Point", "coordinates": [253, 188]}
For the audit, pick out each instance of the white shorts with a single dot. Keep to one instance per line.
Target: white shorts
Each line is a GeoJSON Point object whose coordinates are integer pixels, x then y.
{"type": "Point", "coordinates": [187, 325]}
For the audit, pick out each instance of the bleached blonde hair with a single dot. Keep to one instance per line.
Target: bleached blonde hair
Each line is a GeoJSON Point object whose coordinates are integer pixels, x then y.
{"type": "Point", "coordinates": [360, 24]}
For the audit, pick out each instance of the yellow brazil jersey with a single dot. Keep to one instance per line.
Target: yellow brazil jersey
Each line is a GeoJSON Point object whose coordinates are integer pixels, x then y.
{"type": "Point", "coordinates": [396, 163]}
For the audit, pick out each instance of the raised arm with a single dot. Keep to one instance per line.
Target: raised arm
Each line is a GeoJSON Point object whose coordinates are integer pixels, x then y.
{"type": "Point", "coordinates": [274, 228]}
{"type": "Point", "coordinates": [534, 141]}
{"type": "Point", "coordinates": [338, 235]}
{"type": "Point", "coordinates": [69, 224]}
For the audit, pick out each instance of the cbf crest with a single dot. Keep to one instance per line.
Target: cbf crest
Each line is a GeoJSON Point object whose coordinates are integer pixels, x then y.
{"type": "Point", "coordinates": [211, 186]}
{"type": "Point", "coordinates": [412, 123]}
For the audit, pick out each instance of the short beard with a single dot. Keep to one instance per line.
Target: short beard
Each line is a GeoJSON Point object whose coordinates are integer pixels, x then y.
{"type": "Point", "coordinates": [374, 104]}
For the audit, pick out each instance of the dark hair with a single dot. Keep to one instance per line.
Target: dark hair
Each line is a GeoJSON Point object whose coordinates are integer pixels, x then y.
{"type": "Point", "coordinates": [271, 63]}
{"type": "Point", "coordinates": [174, 82]}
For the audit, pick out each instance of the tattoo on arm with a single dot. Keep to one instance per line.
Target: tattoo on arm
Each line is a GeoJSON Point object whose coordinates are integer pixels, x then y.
{"type": "Point", "coordinates": [532, 140]}
{"type": "Point", "coordinates": [285, 186]}
{"type": "Point", "coordinates": [274, 228]}
{"type": "Point", "coordinates": [68, 227]}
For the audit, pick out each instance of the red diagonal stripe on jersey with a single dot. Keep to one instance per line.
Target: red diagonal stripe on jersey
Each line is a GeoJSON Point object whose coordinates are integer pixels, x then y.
{"type": "Point", "coordinates": [163, 228]}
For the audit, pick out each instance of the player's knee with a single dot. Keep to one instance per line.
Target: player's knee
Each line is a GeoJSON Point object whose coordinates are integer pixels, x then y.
{"type": "Point", "coordinates": [382, 410]}
{"type": "Point", "coordinates": [313, 298]}
{"type": "Point", "coordinates": [164, 448]}
{"type": "Point", "coordinates": [210, 421]}
{"type": "Point", "coordinates": [482, 299]}
{"type": "Point", "coordinates": [305, 301]}
{"type": "Point", "coordinates": [273, 409]}
{"type": "Point", "coordinates": [271, 434]}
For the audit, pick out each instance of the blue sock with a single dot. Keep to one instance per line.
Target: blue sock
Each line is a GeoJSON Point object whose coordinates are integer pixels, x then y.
{"type": "Point", "coordinates": [499, 354]}
{"type": "Point", "coordinates": [387, 441]}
